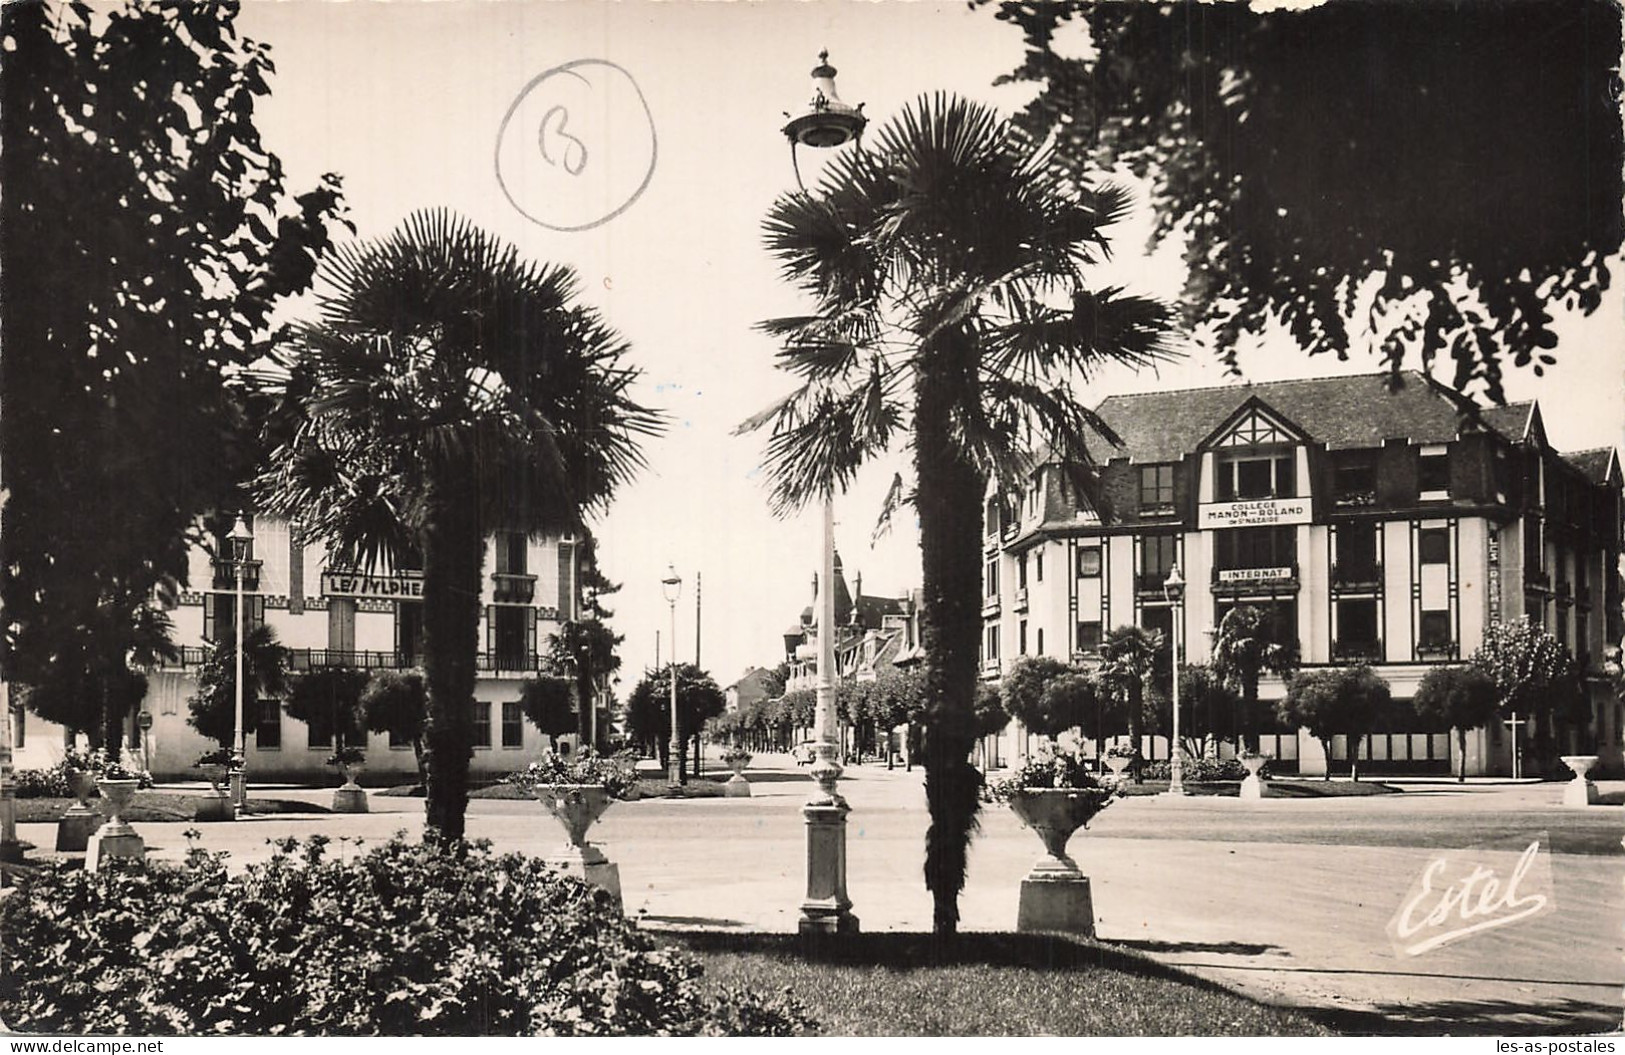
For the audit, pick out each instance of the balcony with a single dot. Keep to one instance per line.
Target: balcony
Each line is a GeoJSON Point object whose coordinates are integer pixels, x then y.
{"type": "Point", "coordinates": [1355, 499]}
{"type": "Point", "coordinates": [1150, 583]}
{"type": "Point", "coordinates": [1272, 580]}
{"type": "Point", "coordinates": [1357, 651]}
{"type": "Point", "coordinates": [1353, 576]}
{"type": "Point", "coordinates": [1436, 650]}
{"type": "Point", "coordinates": [1021, 599]}
{"type": "Point", "coordinates": [990, 605]}
{"type": "Point", "coordinates": [225, 575]}
{"type": "Point", "coordinates": [511, 588]}
{"type": "Point", "coordinates": [1565, 596]}
{"type": "Point", "coordinates": [1535, 579]}
{"type": "Point", "coordinates": [1156, 510]}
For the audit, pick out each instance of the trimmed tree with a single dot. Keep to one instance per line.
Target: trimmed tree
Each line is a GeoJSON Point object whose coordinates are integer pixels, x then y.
{"type": "Point", "coordinates": [648, 715]}
{"type": "Point", "coordinates": [328, 700]}
{"type": "Point", "coordinates": [1209, 704]}
{"type": "Point", "coordinates": [1023, 691]}
{"type": "Point", "coordinates": [1330, 703]}
{"type": "Point", "coordinates": [1242, 651]}
{"type": "Point", "coordinates": [396, 702]}
{"type": "Point", "coordinates": [549, 704]}
{"type": "Point", "coordinates": [1462, 698]}
{"type": "Point", "coordinates": [1533, 673]}
{"type": "Point", "coordinates": [213, 705]}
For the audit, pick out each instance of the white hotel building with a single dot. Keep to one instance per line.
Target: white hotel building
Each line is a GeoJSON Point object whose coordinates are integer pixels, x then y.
{"type": "Point", "coordinates": [327, 613]}
{"type": "Point", "coordinates": [1389, 527]}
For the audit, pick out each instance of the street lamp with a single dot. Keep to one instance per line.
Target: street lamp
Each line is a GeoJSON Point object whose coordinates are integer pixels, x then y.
{"type": "Point", "coordinates": [239, 539]}
{"type": "Point", "coordinates": [827, 122]}
{"type": "Point", "coordinates": [673, 588]}
{"type": "Point", "coordinates": [1173, 588]}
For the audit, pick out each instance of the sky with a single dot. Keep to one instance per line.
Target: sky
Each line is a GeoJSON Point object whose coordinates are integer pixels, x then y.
{"type": "Point", "coordinates": [533, 117]}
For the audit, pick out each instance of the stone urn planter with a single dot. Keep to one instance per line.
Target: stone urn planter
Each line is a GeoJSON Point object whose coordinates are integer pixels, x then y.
{"type": "Point", "coordinates": [216, 806]}
{"type": "Point", "coordinates": [1118, 764]}
{"type": "Point", "coordinates": [350, 797]}
{"type": "Point", "coordinates": [737, 787]}
{"type": "Point", "coordinates": [115, 838]}
{"type": "Point", "coordinates": [75, 827]}
{"type": "Point", "coordinates": [1055, 894]}
{"type": "Point", "coordinates": [1253, 786]}
{"type": "Point", "coordinates": [577, 807]}
{"type": "Point", "coordinates": [1581, 791]}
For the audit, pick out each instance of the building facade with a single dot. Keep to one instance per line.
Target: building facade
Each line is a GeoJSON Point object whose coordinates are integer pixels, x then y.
{"type": "Point", "coordinates": [1369, 524]}
{"type": "Point", "coordinates": [328, 612]}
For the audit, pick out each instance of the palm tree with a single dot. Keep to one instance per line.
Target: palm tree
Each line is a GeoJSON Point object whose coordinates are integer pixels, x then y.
{"type": "Point", "coordinates": [1242, 651]}
{"type": "Point", "coordinates": [448, 389]}
{"type": "Point", "coordinates": [951, 315]}
{"type": "Point", "coordinates": [1128, 658]}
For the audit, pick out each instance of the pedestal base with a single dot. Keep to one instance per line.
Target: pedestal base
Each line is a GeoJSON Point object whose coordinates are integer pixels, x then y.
{"type": "Point", "coordinates": [826, 909]}
{"type": "Point", "coordinates": [737, 787]}
{"type": "Point", "coordinates": [74, 830]}
{"type": "Point", "coordinates": [349, 800]}
{"type": "Point", "coordinates": [104, 846]}
{"type": "Point", "coordinates": [215, 808]}
{"type": "Point", "coordinates": [1580, 793]}
{"type": "Point", "coordinates": [13, 851]}
{"type": "Point", "coordinates": [603, 874]}
{"type": "Point", "coordinates": [1059, 903]}
{"type": "Point", "coordinates": [1252, 788]}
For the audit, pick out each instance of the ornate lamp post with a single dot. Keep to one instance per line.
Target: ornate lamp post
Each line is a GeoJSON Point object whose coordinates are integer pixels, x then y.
{"type": "Point", "coordinates": [827, 122]}
{"type": "Point", "coordinates": [1173, 588]}
{"type": "Point", "coordinates": [673, 588]}
{"type": "Point", "coordinates": [240, 538]}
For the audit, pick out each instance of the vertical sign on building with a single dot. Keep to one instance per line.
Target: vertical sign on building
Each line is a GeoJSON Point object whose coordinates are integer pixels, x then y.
{"type": "Point", "coordinates": [1492, 551]}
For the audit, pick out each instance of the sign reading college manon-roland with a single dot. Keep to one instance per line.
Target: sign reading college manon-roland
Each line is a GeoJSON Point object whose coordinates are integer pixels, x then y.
{"type": "Point", "coordinates": [1261, 513]}
{"type": "Point", "coordinates": [400, 586]}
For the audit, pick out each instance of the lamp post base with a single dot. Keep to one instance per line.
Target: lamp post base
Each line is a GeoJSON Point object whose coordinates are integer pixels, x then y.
{"type": "Point", "coordinates": [239, 790]}
{"type": "Point", "coordinates": [826, 909]}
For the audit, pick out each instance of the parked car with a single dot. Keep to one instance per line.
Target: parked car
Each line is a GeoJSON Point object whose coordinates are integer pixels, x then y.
{"type": "Point", "coordinates": [804, 752]}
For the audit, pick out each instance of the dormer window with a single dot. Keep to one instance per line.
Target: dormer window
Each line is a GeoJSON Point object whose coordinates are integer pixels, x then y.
{"type": "Point", "coordinates": [1248, 478]}
{"type": "Point", "coordinates": [1156, 489]}
{"type": "Point", "coordinates": [1433, 472]}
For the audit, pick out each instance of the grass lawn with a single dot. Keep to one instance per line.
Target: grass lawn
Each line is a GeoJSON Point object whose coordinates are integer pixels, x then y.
{"type": "Point", "coordinates": [985, 984]}
{"type": "Point", "coordinates": [156, 806]}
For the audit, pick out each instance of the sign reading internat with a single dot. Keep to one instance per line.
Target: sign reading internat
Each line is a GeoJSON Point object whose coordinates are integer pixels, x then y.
{"type": "Point", "coordinates": [1261, 513]}
{"type": "Point", "coordinates": [1254, 574]}
{"type": "Point", "coordinates": [401, 586]}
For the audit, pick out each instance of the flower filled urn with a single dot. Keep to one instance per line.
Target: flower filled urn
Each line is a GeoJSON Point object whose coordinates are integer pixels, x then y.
{"type": "Point", "coordinates": [737, 786]}
{"type": "Point", "coordinates": [216, 806]}
{"type": "Point", "coordinates": [1055, 814]}
{"type": "Point", "coordinates": [74, 829]}
{"type": "Point", "coordinates": [1253, 786]}
{"type": "Point", "coordinates": [577, 807]}
{"type": "Point", "coordinates": [115, 838]}
{"type": "Point", "coordinates": [1055, 795]}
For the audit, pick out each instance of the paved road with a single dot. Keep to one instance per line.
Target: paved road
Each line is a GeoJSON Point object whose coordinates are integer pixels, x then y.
{"type": "Point", "coordinates": [1286, 899]}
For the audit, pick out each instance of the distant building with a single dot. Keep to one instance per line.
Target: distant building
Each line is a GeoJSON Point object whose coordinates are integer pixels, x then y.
{"type": "Point", "coordinates": [1369, 525]}
{"type": "Point", "coordinates": [755, 685]}
{"type": "Point", "coordinates": [869, 633]}
{"type": "Point", "coordinates": [329, 613]}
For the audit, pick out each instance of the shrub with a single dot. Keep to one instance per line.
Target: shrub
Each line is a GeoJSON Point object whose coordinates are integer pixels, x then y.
{"type": "Point", "coordinates": [407, 939]}
{"type": "Point", "coordinates": [49, 783]}
{"type": "Point", "coordinates": [1203, 770]}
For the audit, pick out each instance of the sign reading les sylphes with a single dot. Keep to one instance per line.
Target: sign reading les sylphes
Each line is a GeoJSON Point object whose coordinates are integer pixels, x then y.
{"type": "Point", "coordinates": [401, 586]}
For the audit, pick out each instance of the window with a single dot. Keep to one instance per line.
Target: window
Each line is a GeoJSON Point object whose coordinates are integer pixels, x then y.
{"type": "Point", "coordinates": [513, 729]}
{"type": "Point", "coordinates": [1534, 548]}
{"type": "Point", "coordinates": [1280, 619]}
{"type": "Point", "coordinates": [1355, 483]}
{"type": "Point", "coordinates": [1356, 556]}
{"type": "Point", "coordinates": [1089, 562]}
{"type": "Point", "coordinates": [1021, 638]}
{"type": "Point", "coordinates": [1038, 565]}
{"type": "Point", "coordinates": [268, 729]}
{"type": "Point", "coordinates": [1434, 546]}
{"type": "Point", "coordinates": [341, 626]}
{"type": "Point", "coordinates": [397, 738]}
{"type": "Point", "coordinates": [1248, 479]}
{"type": "Point", "coordinates": [511, 636]}
{"type": "Point", "coordinates": [318, 735]}
{"type": "Point", "coordinates": [1256, 547]}
{"type": "Point", "coordinates": [1156, 560]}
{"type": "Point", "coordinates": [409, 631]}
{"type": "Point", "coordinates": [992, 652]}
{"type": "Point", "coordinates": [482, 724]}
{"type": "Point", "coordinates": [1021, 572]}
{"type": "Point", "coordinates": [220, 612]}
{"type": "Point", "coordinates": [991, 578]}
{"type": "Point", "coordinates": [1089, 637]}
{"type": "Point", "coordinates": [1161, 620]}
{"type": "Point", "coordinates": [1435, 630]}
{"type": "Point", "coordinates": [1032, 497]}
{"type": "Point", "coordinates": [992, 516]}
{"type": "Point", "coordinates": [1040, 648]}
{"type": "Point", "coordinates": [1433, 473]}
{"type": "Point", "coordinates": [19, 721]}
{"type": "Point", "coordinates": [1357, 622]}
{"type": "Point", "coordinates": [1156, 488]}
{"type": "Point", "coordinates": [510, 546]}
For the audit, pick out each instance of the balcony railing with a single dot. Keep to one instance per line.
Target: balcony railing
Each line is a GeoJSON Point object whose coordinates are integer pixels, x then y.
{"type": "Point", "coordinates": [1150, 583]}
{"type": "Point", "coordinates": [1355, 499]}
{"type": "Point", "coordinates": [303, 659]}
{"type": "Point", "coordinates": [1157, 509]}
{"type": "Point", "coordinates": [1536, 579]}
{"type": "Point", "coordinates": [1356, 651]}
{"type": "Point", "coordinates": [1436, 649]}
{"type": "Point", "coordinates": [512, 588]}
{"type": "Point", "coordinates": [225, 575]}
{"type": "Point", "coordinates": [1356, 576]}
{"type": "Point", "coordinates": [990, 605]}
{"type": "Point", "coordinates": [1021, 598]}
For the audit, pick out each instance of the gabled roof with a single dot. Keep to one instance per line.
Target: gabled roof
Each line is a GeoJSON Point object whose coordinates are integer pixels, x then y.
{"type": "Point", "coordinates": [1598, 464]}
{"type": "Point", "coordinates": [1341, 412]}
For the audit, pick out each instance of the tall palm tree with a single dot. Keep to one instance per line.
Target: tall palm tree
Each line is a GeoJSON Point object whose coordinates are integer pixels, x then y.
{"type": "Point", "coordinates": [448, 389]}
{"type": "Point", "coordinates": [951, 314]}
{"type": "Point", "coordinates": [1242, 650]}
{"type": "Point", "coordinates": [1128, 658]}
